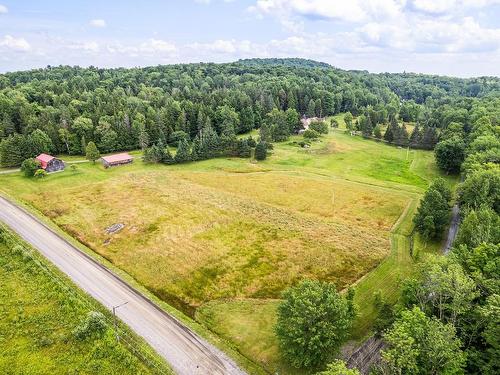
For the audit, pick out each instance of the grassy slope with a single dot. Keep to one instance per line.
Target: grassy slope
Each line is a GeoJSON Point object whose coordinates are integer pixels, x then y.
{"type": "Point", "coordinates": [38, 312]}
{"type": "Point", "coordinates": [338, 158]}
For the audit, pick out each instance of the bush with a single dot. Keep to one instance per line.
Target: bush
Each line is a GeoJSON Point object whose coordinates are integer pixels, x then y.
{"type": "Point", "coordinates": [261, 151]}
{"type": "Point", "coordinates": [29, 167]}
{"type": "Point", "coordinates": [313, 321]}
{"type": "Point", "coordinates": [94, 325]}
{"type": "Point", "coordinates": [40, 173]}
{"type": "Point", "coordinates": [311, 134]}
{"type": "Point", "coordinates": [251, 142]}
{"type": "Point", "coordinates": [334, 123]}
{"type": "Point", "coordinates": [320, 126]}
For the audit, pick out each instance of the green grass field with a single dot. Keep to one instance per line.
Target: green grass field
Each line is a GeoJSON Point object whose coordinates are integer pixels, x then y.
{"type": "Point", "coordinates": [39, 310]}
{"type": "Point", "coordinates": [220, 239]}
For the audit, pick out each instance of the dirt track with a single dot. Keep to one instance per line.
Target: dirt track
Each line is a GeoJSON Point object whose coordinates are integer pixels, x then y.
{"type": "Point", "coordinates": [184, 350]}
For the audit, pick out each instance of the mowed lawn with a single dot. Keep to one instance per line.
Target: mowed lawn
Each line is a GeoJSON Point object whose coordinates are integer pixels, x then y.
{"type": "Point", "coordinates": [230, 235]}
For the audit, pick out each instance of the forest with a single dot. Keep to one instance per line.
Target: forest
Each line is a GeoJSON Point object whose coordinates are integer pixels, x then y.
{"type": "Point", "coordinates": [203, 107]}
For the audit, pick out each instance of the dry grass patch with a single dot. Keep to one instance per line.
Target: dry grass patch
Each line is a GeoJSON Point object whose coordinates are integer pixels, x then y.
{"type": "Point", "coordinates": [198, 236]}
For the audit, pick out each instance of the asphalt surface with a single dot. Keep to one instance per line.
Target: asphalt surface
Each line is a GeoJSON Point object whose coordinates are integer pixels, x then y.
{"type": "Point", "coordinates": [452, 231]}
{"type": "Point", "coordinates": [184, 350]}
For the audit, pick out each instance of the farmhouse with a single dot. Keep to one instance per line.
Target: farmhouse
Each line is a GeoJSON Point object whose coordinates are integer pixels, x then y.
{"type": "Point", "coordinates": [117, 159]}
{"type": "Point", "coordinates": [306, 121]}
{"type": "Point", "coordinates": [50, 163]}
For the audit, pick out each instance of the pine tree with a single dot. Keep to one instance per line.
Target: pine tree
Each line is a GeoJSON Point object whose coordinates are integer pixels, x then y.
{"type": "Point", "coordinates": [311, 108]}
{"type": "Point", "coordinates": [261, 151]}
{"type": "Point", "coordinates": [415, 138]}
{"type": "Point", "coordinates": [401, 138]}
{"type": "Point", "coordinates": [91, 152]}
{"type": "Point", "coordinates": [143, 139]}
{"type": "Point", "coordinates": [196, 150]}
{"type": "Point", "coordinates": [377, 132]}
{"type": "Point", "coordinates": [291, 100]}
{"type": "Point", "coordinates": [244, 150]}
{"type": "Point", "coordinates": [367, 127]}
{"type": "Point", "coordinates": [429, 138]}
{"type": "Point", "coordinates": [167, 157]}
{"type": "Point", "coordinates": [183, 154]}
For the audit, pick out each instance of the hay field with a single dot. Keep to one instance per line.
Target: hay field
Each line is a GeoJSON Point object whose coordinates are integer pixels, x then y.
{"type": "Point", "coordinates": [228, 235]}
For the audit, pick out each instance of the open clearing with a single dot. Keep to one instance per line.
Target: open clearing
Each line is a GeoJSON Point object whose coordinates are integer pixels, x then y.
{"type": "Point", "coordinates": [229, 235]}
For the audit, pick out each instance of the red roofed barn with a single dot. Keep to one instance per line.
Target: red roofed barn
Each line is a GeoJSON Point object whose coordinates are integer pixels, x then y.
{"type": "Point", "coordinates": [117, 159]}
{"type": "Point", "coordinates": [50, 163]}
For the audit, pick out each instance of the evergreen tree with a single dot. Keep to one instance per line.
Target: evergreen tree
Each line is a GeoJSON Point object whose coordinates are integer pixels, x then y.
{"type": "Point", "coordinates": [348, 121]}
{"type": "Point", "coordinates": [244, 150]}
{"type": "Point", "coordinates": [311, 108]}
{"type": "Point", "coordinates": [260, 151]}
{"type": "Point", "coordinates": [429, 138]}
{"type": "Point", "coordinates": [388, 135]}
{"type": "Point", "coordinates": [415, 138]}
{"type": "Point", "coordinates": [143, 139]}
{"type": "Point", "coordinates": [91, 152]}
{"type": "Point", "coordinates": [377, 132]}
{"type": "Point", "coordinates": [183, 153]}
{"type": "Point", "coordinates": [366, 126]}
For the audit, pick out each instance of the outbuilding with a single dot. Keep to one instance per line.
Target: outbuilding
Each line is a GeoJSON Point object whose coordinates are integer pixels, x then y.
{"type": "Point", "coordinates": [50, 163]}
{"type": "Point", "coordinates": [117, 159]}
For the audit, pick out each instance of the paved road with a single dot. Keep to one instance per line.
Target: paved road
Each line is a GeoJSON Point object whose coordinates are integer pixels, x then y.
{"type": "Point", "coordinates": [186, 352]}
{"type": "Point", "coordinates": [7, 171]}
{"type": "Point", "coordinates": [452, 231]}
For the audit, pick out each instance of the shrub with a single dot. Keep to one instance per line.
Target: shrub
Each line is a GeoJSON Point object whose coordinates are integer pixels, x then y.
{"type": "Point", "coordinates": [29, 167]}
{"type": "Point", "coordinates": [320, 126]}
{"type": "Point", "coordinates": [40, 173]}
{"type": "Point", "coordinates": [334, 123]}
{"type": "Point", "coordinates": [261, 151]}
{"type": "Point", "coordinates": [311, 134]}
{"type": "Point", "coordinates": [251, 142]}
{"type": "Point", "coordinates": [94, 325]}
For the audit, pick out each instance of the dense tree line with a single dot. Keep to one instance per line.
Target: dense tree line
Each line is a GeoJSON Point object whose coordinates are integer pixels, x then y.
{"type": "Point", "coordinates": [62, 109]}
{"type": "Point", "coordinates": [450, 317]}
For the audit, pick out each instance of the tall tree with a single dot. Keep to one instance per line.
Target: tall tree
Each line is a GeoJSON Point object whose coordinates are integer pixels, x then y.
{"type": "Point", "coordinates": [91, 152]}
{"type": "Point", "coordinates": [313, 321]}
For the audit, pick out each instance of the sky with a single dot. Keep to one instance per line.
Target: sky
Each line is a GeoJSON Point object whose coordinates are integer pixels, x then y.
{"type": "Point", "coordinates": [447, 37]}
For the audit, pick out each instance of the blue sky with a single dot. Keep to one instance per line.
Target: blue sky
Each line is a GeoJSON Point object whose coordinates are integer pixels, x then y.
{"type": "Point", "coordinates": [452, 37]}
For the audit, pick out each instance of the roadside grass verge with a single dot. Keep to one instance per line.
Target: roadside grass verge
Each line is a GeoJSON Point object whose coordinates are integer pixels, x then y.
{"type": "Point", "coordinates": [41, 308]}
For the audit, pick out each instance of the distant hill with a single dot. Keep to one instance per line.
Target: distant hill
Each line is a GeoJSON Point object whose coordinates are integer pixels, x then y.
{"type": "Point", "coordinates": [292, 61]}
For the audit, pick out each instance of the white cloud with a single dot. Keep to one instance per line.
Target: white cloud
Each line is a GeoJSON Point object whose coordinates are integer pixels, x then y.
{"type": "Point", "coordinates": [98, 23]}
{"type": "Point", "coordinates": [450, 6]}
{"type": "Point", "coordinates": [88, 46]}
{"type": "Point", "coordinates": [16, 44]}
{"type": "Point", "coordinates": [3, 9]}
{"type": "Point", "coordinates": [158, 45]}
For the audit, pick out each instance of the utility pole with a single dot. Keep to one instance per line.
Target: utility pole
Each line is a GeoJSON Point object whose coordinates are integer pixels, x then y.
{"type": "Point", "coordinates": [115, 321]}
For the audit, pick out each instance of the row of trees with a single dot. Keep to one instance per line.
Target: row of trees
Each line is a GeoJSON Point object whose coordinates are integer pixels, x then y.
{"type": "Point", "coordinates": [123, 109]}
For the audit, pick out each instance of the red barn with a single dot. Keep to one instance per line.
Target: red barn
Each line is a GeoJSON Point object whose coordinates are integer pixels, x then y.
{"type": "Point", "coordinates": [50, 163]}
{"type": "Point", "coordinates": [117, 159]}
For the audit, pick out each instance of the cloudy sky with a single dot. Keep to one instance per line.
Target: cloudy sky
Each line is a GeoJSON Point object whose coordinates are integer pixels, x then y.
{"type": "Point", "coordinates": [452, 37]}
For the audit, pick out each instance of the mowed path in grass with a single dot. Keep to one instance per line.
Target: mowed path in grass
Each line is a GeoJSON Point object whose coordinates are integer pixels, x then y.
{"type": "Point", "coordinates": [229, 230]}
